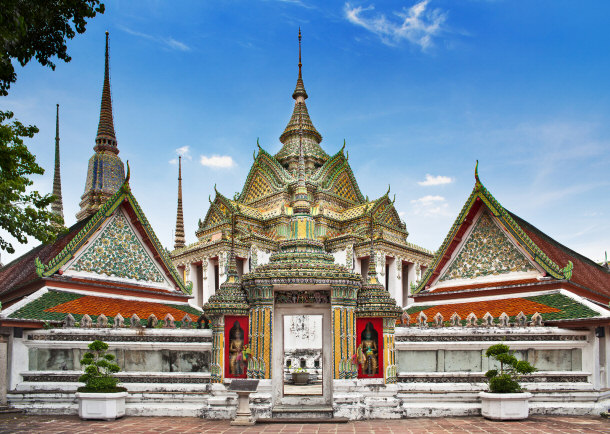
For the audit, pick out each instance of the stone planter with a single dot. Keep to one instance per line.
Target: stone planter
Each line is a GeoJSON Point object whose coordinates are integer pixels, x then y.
{"type": "Point", "coordinates": [300, 378]}
{"type": "Point", "coordinates": [107, 406]}
{"type": "Point", "coordinates": [505, 406]}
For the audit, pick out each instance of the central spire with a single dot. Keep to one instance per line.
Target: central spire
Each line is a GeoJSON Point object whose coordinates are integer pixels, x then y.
{"type": "Point", "coordinates": [106, 139]}
{"type": "Point", "coordinates": [300, 89]}
{"type": "Point", "coordinates": [105, 173]}
{"type": "Point", "coordinates": [299, 122]}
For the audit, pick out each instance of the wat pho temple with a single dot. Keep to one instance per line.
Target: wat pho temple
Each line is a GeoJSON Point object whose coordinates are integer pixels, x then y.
{"type": "Point", "coordinates": [304, 287]}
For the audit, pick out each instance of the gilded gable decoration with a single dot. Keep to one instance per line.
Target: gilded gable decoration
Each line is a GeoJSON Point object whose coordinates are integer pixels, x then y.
{"type": "Point", "coordinates": [118, 252]}
{"type": "Point", "coordinates": [488, 251]}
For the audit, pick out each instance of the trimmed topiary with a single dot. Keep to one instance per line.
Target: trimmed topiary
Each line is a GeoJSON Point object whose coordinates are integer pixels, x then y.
{"type": "Point", "coordinates": [506, 380]}
{"type": "Point", "coordinates": [99, 370]}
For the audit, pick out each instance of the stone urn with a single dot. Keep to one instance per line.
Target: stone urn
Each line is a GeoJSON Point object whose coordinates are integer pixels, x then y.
{"type": "Point", "coordinates": [106, 406]}
{"type": "Point", "coordinates": [300, 378]}
{"type": "Point", "coordinates": [505, 406]}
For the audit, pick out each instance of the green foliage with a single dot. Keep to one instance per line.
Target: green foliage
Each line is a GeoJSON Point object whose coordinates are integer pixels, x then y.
{"type": "Point", "coordinates": [99, 367]}
{"type": "Point", "coordinates": [39, 29]}
{"type": "Point", "coordinates": [22, 213]}
{"type": "Point", "coordinates": [506, 380]}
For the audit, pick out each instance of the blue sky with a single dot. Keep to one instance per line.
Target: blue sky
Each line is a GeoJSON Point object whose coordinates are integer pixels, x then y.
{"type": "Point", "coordinates": [418, 89]}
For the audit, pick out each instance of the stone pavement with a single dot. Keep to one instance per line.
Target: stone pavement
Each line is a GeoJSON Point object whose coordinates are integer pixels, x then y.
{"type": "Point", "coordinates": [18, 423]}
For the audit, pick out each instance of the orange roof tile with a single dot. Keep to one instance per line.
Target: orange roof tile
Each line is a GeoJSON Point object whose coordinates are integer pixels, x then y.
{"type": "Point", "coordinates": [512, 307]}
{"type": "Point", "coordinates": [111, 307]}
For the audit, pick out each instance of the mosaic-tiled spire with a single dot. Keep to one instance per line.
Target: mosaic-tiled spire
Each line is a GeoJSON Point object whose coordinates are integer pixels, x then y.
{"type": "Point", "coordinates": [57, 206]}
{"type": "Point", "coordinates": [372, 271]}
{"type": "Point", "coordinates": [179, 240]}
{"type": "Point", "coordinates": [301, 204]}
{"type": "Point", "coordinates": [105, 173]}
{"type": "Point", "coordinates": [373, 299]}
{"type": "Point", "coordinates": [230, 299]}
{"type": "Point", "coordinates": [106, 139]}
{"type": "Point", "coordinates": [289, 154]}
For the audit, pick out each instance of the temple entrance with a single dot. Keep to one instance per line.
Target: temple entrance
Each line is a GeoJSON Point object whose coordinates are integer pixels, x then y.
{"type": "Point", "coordinates": [302, 362]}
{"type": "Point", "coordinates": [303, 371]}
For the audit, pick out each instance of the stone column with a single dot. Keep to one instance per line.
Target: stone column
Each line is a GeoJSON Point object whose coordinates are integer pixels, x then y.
{"type": "Point", "coordinates": [209, 279]}
{"type": "Point", "coordinates": [223, 263]}
{"type": "Point", "coordinates": [3, 369]}
{"type": "Point", "coordinates": [343, 302]}
{"type": "Point", "coordinates": [394, 286]}
{"type": "Point", "coordinates": [411, 275]}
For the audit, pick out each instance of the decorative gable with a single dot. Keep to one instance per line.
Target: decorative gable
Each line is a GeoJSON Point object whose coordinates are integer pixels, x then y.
{"type": "Point", "coordinates": [343, 188]}
{"type": "Point", "coordinates": [118, 252]}
{"type": "Point", "coordinates": [259, 187]}
{"type": "Point", "coordinates": [487, 251]}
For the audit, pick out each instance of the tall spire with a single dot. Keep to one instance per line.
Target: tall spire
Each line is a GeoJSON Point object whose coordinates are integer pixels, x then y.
{"type": "Point", "coordinates": [105, 173]}
{"type": "Point", "coordinates": [300, 121]}
{"type": "Point", "coordinates": [179, 242]}
{"type": "Point", "coordinates": [300, 88]}
{"type": "Point", "coordinates": [106, 139]}
{"type": "Point", "coordinates": [372, 271]}
{"type": "Point", "coordinates": [57, 206]}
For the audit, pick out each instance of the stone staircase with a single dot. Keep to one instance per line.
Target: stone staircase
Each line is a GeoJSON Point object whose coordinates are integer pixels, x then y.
{"type": "Point", "coordinates": [300, 413]}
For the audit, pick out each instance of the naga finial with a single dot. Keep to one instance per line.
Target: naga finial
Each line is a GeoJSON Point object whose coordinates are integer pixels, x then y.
{"type": "Point", "coordinates": [128, 170]}
{"type": "Point", "coordinates": [343, 147]}
{"type": "Point", "coordinates": [388, 192]}
{"type": "Point", "coordinates": [476, 173]}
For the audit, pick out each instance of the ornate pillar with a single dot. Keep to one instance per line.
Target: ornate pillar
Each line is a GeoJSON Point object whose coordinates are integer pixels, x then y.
{"type": "Point", "coordinates": [261, 330]}
{"type": "Point", "coordinates": [343, 304]}
{"type": "Point", "coordinates": [389, 351]}
{"type": "Point", "coordinates": [218, 347]}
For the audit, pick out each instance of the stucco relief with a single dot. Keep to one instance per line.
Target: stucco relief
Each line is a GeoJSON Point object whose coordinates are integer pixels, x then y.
{"type": "Point", "coordinates": [118, 252]}
{"type": "Point", "coordinates": [487, 252]}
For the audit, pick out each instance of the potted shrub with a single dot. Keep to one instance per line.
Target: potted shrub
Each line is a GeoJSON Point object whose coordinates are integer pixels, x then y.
{"type": "Point", "coordinates": [100, 397]}
{"type": "Point", "coordinates": [505, 400]}
{"type": "Point", "coordinates": [300, 376]}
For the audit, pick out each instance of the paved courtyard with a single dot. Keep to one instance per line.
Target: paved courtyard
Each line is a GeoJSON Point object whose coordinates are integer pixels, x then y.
{"type": "Point", "coordinates": [17, 423]}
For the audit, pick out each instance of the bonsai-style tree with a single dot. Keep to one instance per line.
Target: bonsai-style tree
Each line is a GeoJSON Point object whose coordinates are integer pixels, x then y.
{"type": "Point", "coordinates": [506, 380]}
{"type": "Point", "coordinates": [99, 370]}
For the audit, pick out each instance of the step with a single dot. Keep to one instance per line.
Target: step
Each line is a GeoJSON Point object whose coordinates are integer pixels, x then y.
{"type": "Point", "coordinates": [5, 410]}
{"type": "Point", "coordinates": [310, 412]}
{"type": "Point", "coordinates": [301, 420]}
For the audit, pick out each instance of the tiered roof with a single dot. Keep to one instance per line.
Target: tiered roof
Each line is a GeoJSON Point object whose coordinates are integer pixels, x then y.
{"type": "Point", "coordinates": [556, 261]}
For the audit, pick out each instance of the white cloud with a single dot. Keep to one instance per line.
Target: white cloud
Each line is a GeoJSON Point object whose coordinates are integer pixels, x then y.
{"type": "Point", "coordinates": [167, 42]}
{"type": "Point", "coordinates": [435, 180]}
{"type": "Point", "coordinates": [417, 24]}
{"type": "Point", "coordinates": [177, 45]}
{"type": "Point", "coordinates": [184, 151]}
{"type": "Point", "coordinates": [430, 206]}
{"type": "Point", "coordinates": [217, 161]}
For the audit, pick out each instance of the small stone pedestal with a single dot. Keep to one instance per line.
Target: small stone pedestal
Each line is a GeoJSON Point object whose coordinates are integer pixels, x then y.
{"type": "Point", "coordinates": [243, 388]}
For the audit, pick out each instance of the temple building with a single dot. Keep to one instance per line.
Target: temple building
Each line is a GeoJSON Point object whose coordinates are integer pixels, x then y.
{"type": "Point", "coordinates": [264, 208]}
{"type": "Point", "coordinates": [305, 287]}
{"type": "Point", "coordinates": [107, 271]}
